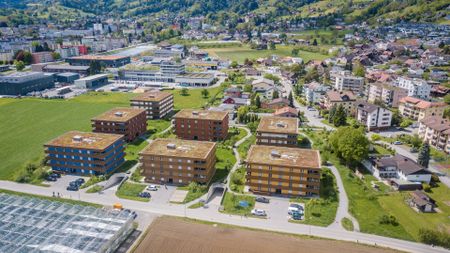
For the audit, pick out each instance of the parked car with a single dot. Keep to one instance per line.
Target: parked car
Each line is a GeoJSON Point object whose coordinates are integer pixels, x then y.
{"type": "Point", "coordinates": [262, 199]}
{"type": "Point", "coordinates": [74, 184]}
{"type": "Point", "coordinates": [72, 188]}
{"type": "Point", "coordinates": [293, 207]}
{"type": "Point", "coordinates": [296, 215]}
{"type": "Point", "coordinates": [152, 187]}
{"type": "Point", "coordinates": [144, 195]}
{"type": "Point", "coordinates": [397, 143]}
{"type": "Point", "coordinates": [413, 150]}
{"type": "Point", "coordinates": [56, 175]}
{"type": "Point", "coordinates": [80, 181]}
{"type": "Point", "coordinates": [258, 212]}
{"type": "Point", "coordinates": [51, 179]}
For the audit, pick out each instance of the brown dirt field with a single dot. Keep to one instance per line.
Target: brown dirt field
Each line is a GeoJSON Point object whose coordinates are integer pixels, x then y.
{"type": "Point", "coordinates": [173, 235]}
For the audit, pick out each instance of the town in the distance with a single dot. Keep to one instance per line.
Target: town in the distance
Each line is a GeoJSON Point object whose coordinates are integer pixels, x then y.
{"type": "Point", "coordinates": [242, 126]}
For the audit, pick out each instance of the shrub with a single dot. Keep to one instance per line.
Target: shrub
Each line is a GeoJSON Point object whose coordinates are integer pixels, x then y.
{"type": "Point", "coordinates": [434, 237]}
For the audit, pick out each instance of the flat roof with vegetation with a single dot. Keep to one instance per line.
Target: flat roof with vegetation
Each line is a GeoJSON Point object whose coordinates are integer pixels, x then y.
{"type": "Point", "coordinates": [120, 114]}
{"type": "Point", "coordinates": [201, 114]}
{"type": "Point", "coordinates": [284, 157]}
{"type": "Point", "coordinates": [152, 96]}
{"type": "Point", "coordinates": [84, 140]}
{"type": "Point", "coordinates": [179, 148]}
{"type": "Point", "coordinates": [273, 124]}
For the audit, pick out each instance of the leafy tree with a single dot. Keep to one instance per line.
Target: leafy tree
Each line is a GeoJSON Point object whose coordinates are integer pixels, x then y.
{"type": "Point", "coordinates": [434, 237]}
{"type": "Point", "coordinates": [295, 51]}
{"type": "Point", "coordinates": [396, 118]}
{"type": "Point", "coordinates": [272, 46]}
{"type": "Point", "coordinates": [441, 44]}
{"type": "Point", "coordinates": [340, 117]}
{"type": "Point", "coordinates": [424, 155]}
{"type": "Point", "coordinates": [275, 94]}
{"type": "Point", "coordinates": [314, 42]}
{"type": "Point", "coordinates": [406, 123]}
{"type": "Point", "coordinates": [312, 75]}
{"type": "Point", "coordinates": [184, 92]}
{"type": "Point", "coordinates": [205, 93]}
{"type": "Point", "coordinates": [350, 144]}
{"type": "Point", "coordinates": [375, 137]}
{"type": "Point", "coordinates": [27, 58]}
{"type": "Point", "coordinates": [359, 70]}
{"type": "Point", "coordinates": [331, 114]}
{"type": "Point", "coordinates": [56, 55]}
{"type": "Point", "coordinates": [94, 67]}
{"type": "Point", "coordinates": [248, 88]}
{"type": "Point", "coordinates": [59, 41]}
{"type": "Point", "coordinates": [258, 101]}
{"type": "Point", "coordinates": [234, 64]}
{"type": "Point", "coordinates": [447, 99]}
{"type": "Point", "coordinates": [20, 65]}
{"type": "Point", "coordinates": [291, 99]}
{"type": "Point", "coordinates": [274, 78]}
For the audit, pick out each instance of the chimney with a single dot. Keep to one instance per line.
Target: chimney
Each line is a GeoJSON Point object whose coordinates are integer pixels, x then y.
{"type": "Point", "coordinates": [194, 112]}
{"type": "Point", "coordinates": [118, 114]}
{"type": "Point", "coordinates": [171, 146]}
{"type": "Point", "coordinates": [275, 153]}
{"type": "Point", "coordinates": [77, 138]}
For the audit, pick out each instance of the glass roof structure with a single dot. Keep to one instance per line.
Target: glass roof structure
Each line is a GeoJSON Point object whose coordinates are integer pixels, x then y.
{"type": "Point", "coordinates": [32, 225]}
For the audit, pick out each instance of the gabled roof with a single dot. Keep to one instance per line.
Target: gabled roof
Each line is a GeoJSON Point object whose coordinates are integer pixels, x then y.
{"type": "Point", "coordinates": [421, 104]}
{"type": "Point", "coordinates": [336, 96]}
{"type": "Point", "coordinates": [365, 106]}
{"type": "Point", "coordinates": [403, 164]}
{"type": "Point", "coordinates": [284, 110]}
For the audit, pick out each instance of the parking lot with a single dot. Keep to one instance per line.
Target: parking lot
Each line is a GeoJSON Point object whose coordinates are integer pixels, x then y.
{"type": "Point", "coordinates": [276, 210]}
{"type": "Point", "coordinates": [60, 185]}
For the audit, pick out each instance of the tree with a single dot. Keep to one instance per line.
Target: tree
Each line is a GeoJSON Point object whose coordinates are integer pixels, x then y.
{"type": "Point", "coordinates": [258, 101]}
{"type": "Point", "coordinates": [94, 67]}
{"type": "Point", "coordinates": [331, 114]}
{"type": "Point", "coordinates": [59, 41]}
{"type": "Point", "coordinates": [295, 51]}
{"type": "Point", "coordinates": [359, 70]}
{"type": "Point", "coordinates": [272, 46]}
{"type": "Point", "coordinates": [350, 144]}
{"type": "Point", "coordinates": [340, 117]}
{"type": "Point", "coordinates": [27, 58]}
{"type": "Point", "coordinates": [314, 42]}
{"type": "Point", "coordinates": [184, 92]}
{"type": "Point", "coordinates": [233, 64]}
{"type": "Point", "coordinates": [447, 99]}
{"type": "Point", "coordinates": [248, 88]}
{"type": "Point", "coordinates": [312, 75]}
{"type": "Point", "coordinates": [424, 155]}
{"type": "Point", "coordinates": [396, 118]}
{"type": "Point", "coordinates": [205, 93]}
{"type": "Point", "coordinates": [441, 44]}
{"type": "Point", "coordinates": [291, 99]}
{"type": "Point", "coordinates": [275, 94]}
{"type": "Point", "coordinates": [20, 65]}
{"type": "Point", "coordinates": [56, 55]}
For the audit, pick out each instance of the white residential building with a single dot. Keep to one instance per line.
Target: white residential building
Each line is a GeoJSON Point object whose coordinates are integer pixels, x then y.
{"type": "Point", "coordinates": [388, 94]}
{"type": "Point", "coordinates": [373, 116]}
{"type": "Point", "coordinates": [314, 92]}
{"type": "Point", "coordinates": [418, 88]}
{"type": "Point", "coordinates": [435, 130]}
{"type": "Point", "coordinates": [344, 80]}
{"type": "Point", "coordinates": [400, 167]}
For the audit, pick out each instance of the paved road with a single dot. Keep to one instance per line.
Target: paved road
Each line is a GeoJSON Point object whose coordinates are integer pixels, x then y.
{"type": "Point", "coordinates": [342, 211]}
{"type": "Point", "coordinates": [211, 214]}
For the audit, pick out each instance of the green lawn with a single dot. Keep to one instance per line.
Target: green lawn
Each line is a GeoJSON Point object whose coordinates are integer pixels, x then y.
{"type": "Point", "coordinates": [411, 220]}
{"type": "Point", "coordinates": [238, 180]}
{"type": "Point", "coordinates": [347, 224]}
{"type": "Point", "coordinates": [193, 99]}
{"type": "Point", "coordinates": [231, 204]}
{"type": "Point", "coordinates": [157, 125]}
{"type": "Point", "coordinates": [321, 211]}
{"type": "Point", "coordinates": [130, 191]}
{"type": "Point", "coordinates": [94, 189]}
{"type": "Point", "coordinates": [245, 146]}
{"type": "Point", "coordinates": [26, 124]}
{"type": "Point", "coordinates": [225, 161]}
{"type": "Point", "coordinates": [239, 54]}
{"type": "Point", "coordinates": [68, 201]}
{"type": "Point", "coordinates": [195, 191]}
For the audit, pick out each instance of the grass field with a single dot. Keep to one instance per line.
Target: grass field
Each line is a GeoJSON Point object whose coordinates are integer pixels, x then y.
{"type": "Point", "coordinates": [225, 161]}
{"type": "Point", "coordinates": [245, 146]}
{"type": "Point", "coordinates": [239, 54]}
{"type": "Point", "coordinates": [130, 191]}
{"type": "Point", "coordinates": [231, 204]}
{"type": "Point", "coordinates": [26, 124]}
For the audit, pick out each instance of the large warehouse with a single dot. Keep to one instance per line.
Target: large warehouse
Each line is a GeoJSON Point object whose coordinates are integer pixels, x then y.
{"type": "Point", "coordinates": [36, 225]}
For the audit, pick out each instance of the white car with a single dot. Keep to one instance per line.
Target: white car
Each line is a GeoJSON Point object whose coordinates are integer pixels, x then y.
{"type": "Point", "coordinates": [152, 187]}
{"type": "Point", "coordinates": [258, 212]}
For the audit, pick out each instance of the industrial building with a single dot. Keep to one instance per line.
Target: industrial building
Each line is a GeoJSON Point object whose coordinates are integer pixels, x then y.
{"type": "Point", "coordinates": [130, 122]}
{"type": "Point", "coordinates": [109, 61]}
{"type": "Point", "coordinates": [85, 153]}
{"type": "Point", "coordinates": [176, 161]}
{"type": "Point", "coordinates": [67, 77]}
{"type": "Point", "coordinates": [202, 125]}
{"type": "Point", "coordinates": [40, 225]}
{"type": "Point", "coordinates": [283, 171]}
{"type": "Point", "coordinates": [157, 104]}
{"type": "Point", "coordinates": [21, 83]}
{"type": "Point", "coordinates": [92, 81]}
{"type": "Point", "coordinates": [277, 131]}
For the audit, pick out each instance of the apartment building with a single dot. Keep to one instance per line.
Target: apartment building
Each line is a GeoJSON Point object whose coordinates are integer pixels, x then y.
{"type": "Point", "coordinates": [436, 131]}
{"type": "Point", "coordinates": [277, 131]}
{"type": "Point", "coordinates": [176, 161]}
{"type": "Point", "coordinates": [418, 109]}
{"type": "Point", "coordinates": [130, 122]}
{"type": "Point", "coordinates": [283, 171]}
{"type": "Point", "coordinates": [388, 94]}
{"type": "Point", "coordinates": [172, 68]}
{"type": "Point", "coordinates": [201, 125]}
{"type": "Point", "coordinates": [373, 116]}
{"type": "Point", "coordinates": [344, 80]}
{"type": "Point", "coordinates": [314, 92]}
{"type": "Point", "coordinates": [157, 104]}
{"type": "Point", "coordinates": [336, 98]}
{"type": "Point", "coordinates": [85, 153]}
{"type": "Point", "coordinates": [416, 87]}
{"type": "Point", "coordinates": [41, 57]}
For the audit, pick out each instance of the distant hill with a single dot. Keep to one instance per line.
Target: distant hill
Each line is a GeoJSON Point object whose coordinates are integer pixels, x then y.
{"type": "Point", "coordinates": [350, 10]}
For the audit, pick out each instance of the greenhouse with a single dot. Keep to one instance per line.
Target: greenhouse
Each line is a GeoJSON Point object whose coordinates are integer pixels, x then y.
{"type": "Point", "coordinates": [36, 225]}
